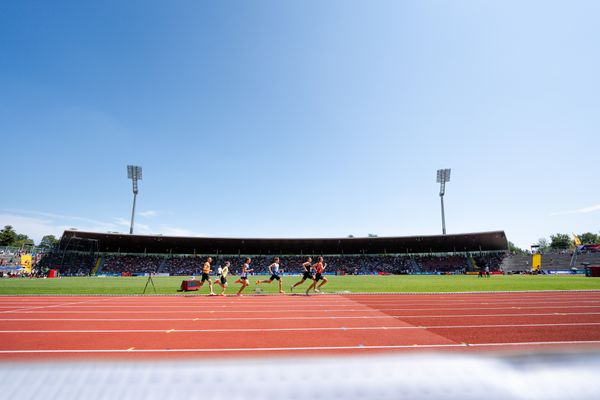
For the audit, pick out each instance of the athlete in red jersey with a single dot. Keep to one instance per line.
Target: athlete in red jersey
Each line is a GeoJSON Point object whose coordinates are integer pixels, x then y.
{"type": "Point", "coordinates": [319, 267]}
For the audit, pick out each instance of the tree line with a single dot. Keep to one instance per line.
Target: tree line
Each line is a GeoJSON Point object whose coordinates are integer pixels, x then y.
{"type": "Point", "coordinates": [559, 241]}
{"type": "Point", "coordinates": [9, 237]}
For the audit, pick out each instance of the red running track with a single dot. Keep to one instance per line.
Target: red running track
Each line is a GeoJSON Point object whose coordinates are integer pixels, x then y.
{"type": "Point", "coordinates": [35, 328]}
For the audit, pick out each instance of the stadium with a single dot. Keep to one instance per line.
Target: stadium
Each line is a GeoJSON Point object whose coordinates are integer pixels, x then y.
{"type": "Point", "coordinates": [425, 295]}
{"type": "Point", "coordinates": [401, 251]}
{"type": "Point", "coordinates": [295, 233]}
{"type": "Point", "coordinates": [113, 307]}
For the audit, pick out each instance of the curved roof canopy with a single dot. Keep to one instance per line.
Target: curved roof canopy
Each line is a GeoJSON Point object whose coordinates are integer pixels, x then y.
{"type": "Point", "coordinates": [124, 243]}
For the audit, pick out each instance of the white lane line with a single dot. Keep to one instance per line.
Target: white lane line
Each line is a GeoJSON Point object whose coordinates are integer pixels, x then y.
{"type": "Point", "coordinates": [314, 348]}
{"type": "Point", "coordinates": [298, 303]}
{"type": "Point", "coordinates": [329, 317]}
{"type": "Point", "coordinates": [332, 297]}
{"type": "Point", "coordinates": [303, 329]}
{"type": "Point", "coordinates": [552, 314]}
{"type": "Point", "coordinates": [497, 296]}
{"type": "Point", "coordinates": [201, 319]}
{"type": "Point", "coordinates": [362, 310]}
{"type": "Point", "coordinates": [519, 294]}
{"type": "Point", "coordinates": [300, 307]}
{"type": "Point", "coordinates": [27, 309]}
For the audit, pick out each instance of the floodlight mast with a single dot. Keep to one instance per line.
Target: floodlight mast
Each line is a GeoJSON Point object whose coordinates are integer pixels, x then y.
{"type": "Point", "coordinates": [443, 176]}
{"type": "Point", "coordinates": [134, 173]}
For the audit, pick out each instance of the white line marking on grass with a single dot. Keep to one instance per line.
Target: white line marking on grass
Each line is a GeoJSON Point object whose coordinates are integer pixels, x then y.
{"type": "Point", "coordinates": [498, 293]}
{"type": "Point", "coordinates": [295, 349]}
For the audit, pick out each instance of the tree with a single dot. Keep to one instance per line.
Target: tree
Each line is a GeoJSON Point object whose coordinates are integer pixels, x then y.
{"type": "Point", "coordinates": [543, 244]}
{"type": "Point", "coordinates": [513, 249]}
{"type": "Point", "coordinates": [22, 239]}
{"type": "Point", "coordinates": [48, 241]}
{"type": "Point", "coordinates": [560, 241]}
{"type": "Point", "coordinates": [372, 235]}
{"type": "Point", "coordinates": [7, 236]}
{"type": "Point", "coordinates": [589, 238]}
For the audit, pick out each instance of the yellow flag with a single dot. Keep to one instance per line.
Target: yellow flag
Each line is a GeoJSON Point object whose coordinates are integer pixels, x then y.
{"type": "Point", "coordinates": [536, 262]}
{"type": "Point", "coordinates": [577, 240]}
{"type": "Point", "coordinates": [26, 262]}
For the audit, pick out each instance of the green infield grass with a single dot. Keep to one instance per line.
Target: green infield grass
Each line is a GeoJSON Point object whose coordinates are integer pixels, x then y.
{"type": "Point", "coordinates": [337, 284]}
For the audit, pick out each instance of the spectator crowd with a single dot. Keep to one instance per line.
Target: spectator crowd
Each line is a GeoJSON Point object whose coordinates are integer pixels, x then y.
{"type": "Point", "coordinates": [342, 265]}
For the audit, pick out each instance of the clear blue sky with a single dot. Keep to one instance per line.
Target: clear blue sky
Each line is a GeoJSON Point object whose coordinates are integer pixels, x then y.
{"type": "Point", "coordinates": [301, 118]}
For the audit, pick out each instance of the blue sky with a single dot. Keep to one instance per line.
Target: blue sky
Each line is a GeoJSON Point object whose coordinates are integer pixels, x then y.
{"type": "Point", "coordinates": [301, 118]}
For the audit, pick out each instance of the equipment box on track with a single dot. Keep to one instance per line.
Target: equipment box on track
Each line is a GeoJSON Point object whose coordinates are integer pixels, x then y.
{"type": "Point", "coordinates": [189, 285]}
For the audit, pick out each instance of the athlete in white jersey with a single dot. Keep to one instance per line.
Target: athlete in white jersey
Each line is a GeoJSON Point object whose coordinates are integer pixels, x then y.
{"type": "Point", "coordinates": [244, 276]}
{"type": "Point", "coordinates": [222, 281]}
{"type": "Point", "coordinates": [274, 271]}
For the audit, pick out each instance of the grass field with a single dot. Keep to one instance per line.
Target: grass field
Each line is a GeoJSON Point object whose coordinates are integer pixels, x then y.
{"type": "Point", "coordinates": [353, 284]}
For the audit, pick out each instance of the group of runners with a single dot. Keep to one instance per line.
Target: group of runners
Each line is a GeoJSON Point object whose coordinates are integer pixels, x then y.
{"type": "Point", "coordinates": [313, 272]}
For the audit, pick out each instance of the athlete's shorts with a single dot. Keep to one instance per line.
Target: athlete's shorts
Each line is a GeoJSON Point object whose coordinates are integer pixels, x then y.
{"type": "Point", "coordinates": [243, 278]}
{"type": "Point", "coordinates": [274, 276]}
{"type": "Point", "coordinates": [318, 277]}
{"type": "Point", "coordinates": [205, 277]}
{"type": "Point", "coordinates": [307, 275]}
{"type": "Point", "coordinates": [223, 280]}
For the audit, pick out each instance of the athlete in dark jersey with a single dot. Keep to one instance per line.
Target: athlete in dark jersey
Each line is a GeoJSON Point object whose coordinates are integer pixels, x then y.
{"type": "Point", "coordinates": [307, 274]}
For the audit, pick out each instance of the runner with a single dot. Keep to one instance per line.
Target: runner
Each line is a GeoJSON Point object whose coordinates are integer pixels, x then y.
{"type": "Point", "coordinates": [306, 274]}
{"type": "Point", "coordinates": [244, 276]}
{"type": "Point", "coordinates": [319, 268]}
{"type": "Point", "coordinates": [274, 271]}
{"type": "Point", "coordinates": [222, 281]}
{"type": "Point", "coordinates": [205, 277]}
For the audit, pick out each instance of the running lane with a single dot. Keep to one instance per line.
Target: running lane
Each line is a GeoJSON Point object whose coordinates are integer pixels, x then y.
{"type": "Point", "coordinates": [202, 326]}
{"type": "Point", "coordinates": [498, 318]}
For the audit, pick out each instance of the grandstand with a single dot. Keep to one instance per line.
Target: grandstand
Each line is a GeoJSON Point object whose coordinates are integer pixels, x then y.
{"type": "Point", "coordinates": [84, 253]}
{"type": "Point", "coordinates": [551, 261]}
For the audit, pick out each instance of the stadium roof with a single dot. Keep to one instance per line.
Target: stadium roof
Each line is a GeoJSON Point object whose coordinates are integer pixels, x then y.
{"type": "Point", "coordinates": [124, 243]}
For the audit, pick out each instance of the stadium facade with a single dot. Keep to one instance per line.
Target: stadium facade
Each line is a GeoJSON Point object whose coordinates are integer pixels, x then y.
{"type": "Point", "coordinates": [73, 240]}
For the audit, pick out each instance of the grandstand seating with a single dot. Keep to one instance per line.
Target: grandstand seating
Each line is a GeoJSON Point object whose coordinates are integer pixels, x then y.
{"type": "Point", "coordinates": [81, 253]}
{"type": "Point", "coordinates": [349, 264]}
{"type": "Point", "coordinates": [551, 261]}
{"type": "Point", "coordinates": [68, 263]}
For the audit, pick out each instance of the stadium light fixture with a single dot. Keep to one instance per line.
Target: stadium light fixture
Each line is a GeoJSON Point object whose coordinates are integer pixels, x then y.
{"type": "Point", "coordinates": [134, 173]}
{"type": "Point", "coordinates": [443, 176]}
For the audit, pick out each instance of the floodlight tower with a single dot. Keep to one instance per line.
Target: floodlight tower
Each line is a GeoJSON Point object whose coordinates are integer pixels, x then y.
{"type": "Point", "coordinates": [134, 173]}
{"type": "Point", "coordinates": [443, 176]}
